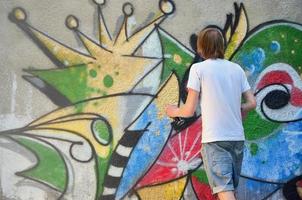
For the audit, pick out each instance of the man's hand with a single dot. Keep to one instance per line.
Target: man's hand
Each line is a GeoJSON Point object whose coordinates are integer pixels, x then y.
{"type": "Point", "coordinates": [250, 103]}
{"type": "Point", "coordinates": [186, 110]}
{"type": "Point", "coordinates": [171, 110]}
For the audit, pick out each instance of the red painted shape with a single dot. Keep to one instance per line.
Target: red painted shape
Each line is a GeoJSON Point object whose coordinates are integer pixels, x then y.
{"type": "Point", "coordinates": [277, 76]}
{"type": "Point", "coordinates": [181, 151]}
{"type": "Point", "coordinates": [282, 77]}
{"type": "Point", "coordinates": [296, 97]}
{"type": "Point", "coordinates": [202, 190]}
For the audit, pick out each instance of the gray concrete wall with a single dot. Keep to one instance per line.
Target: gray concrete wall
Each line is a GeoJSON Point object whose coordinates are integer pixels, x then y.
{"type": "Point", "coordinates": [64, 128]}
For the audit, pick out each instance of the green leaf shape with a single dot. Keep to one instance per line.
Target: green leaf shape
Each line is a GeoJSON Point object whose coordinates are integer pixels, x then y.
{"type": "Point", "coordinates": [176, 56]}
{"type": "Point", "coordinates": [288, 35]}
{"type": "Point", "coordinates": [201, 176]}
{"type": "Point", "coordinates": [255, 127]}
{"type": "Point", "coordinates": [50, 168]}
{"type": "Point", "coordinates": [70, 82]}
{"type": "Point", "coordinates": [254, 149]}
{"type": "Point", "coordinates": [101, 169]}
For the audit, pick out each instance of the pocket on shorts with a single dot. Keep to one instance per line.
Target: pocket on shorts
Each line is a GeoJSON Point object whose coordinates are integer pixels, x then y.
{"type": "Point", "coordinates": [221, 164]}
{"type": "Point", "coordinates": [222, 169]}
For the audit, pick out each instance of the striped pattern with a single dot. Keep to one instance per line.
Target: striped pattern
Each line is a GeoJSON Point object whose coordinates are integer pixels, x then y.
{"type": "Point", "coordinates": [119, 160]}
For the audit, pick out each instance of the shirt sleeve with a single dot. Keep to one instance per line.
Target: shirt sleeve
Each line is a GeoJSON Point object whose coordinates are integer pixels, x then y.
{"type": "Point", "coordinates": [245, 86]}
{"type": "Point", "coordinates": [194, 80]}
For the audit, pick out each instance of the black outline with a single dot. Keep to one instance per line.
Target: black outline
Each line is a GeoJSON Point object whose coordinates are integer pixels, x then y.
{"type": "Point", "coordinates": [161, 9]}
{"type": "Point", "coordinates": [131, 9]}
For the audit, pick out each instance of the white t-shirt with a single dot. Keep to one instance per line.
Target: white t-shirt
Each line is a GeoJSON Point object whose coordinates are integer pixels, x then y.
{"type": "Point", "coordinates": [221, 84]}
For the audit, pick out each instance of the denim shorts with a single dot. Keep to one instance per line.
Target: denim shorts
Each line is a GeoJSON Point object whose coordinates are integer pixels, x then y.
{"type": "Point", "coordinates": [222, 162]}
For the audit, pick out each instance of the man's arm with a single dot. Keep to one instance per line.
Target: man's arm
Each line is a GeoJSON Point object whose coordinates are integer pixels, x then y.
{"type": "Point", "coordinates": [186, 110]}
{"type": "Point", "coordinates": [250, 101]}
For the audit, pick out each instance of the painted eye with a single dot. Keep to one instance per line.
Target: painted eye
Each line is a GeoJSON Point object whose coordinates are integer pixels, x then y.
{"type": "Point", "coordinates": [277, 99]}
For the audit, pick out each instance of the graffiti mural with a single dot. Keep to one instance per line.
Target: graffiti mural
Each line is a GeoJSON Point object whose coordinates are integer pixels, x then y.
{"type": "Point", "coordinates": [109, 137]}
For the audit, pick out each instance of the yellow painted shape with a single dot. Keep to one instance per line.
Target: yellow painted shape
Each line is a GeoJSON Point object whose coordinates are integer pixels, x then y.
{"type": "Point", "coordinates": [130, 70]}
{"type": "Point", "coordinates": [177, 59]}
{"type": "Point", "coordinates": [136, 39]}
{"type": "Point", "coordinates": [168, 95]}
{"type": "Point", "coordinates": [107, 108]}
{"type": "Point", "coordinates": [94, 49]}
{"type": "Point", "coordinates": [228, 33]}
{"type": "Point", "coordinates": [121, 37]}
{"type": "Point", "coordinates": [168, 191]}
{"type": "Point", "coordinates": [238, 36]}
{"type": "Point", "coordinates": [104, 36]}
{"type": "Point", "coordinates": [81, 128]}
{"type": "Point", "coordinates": [64, 54]}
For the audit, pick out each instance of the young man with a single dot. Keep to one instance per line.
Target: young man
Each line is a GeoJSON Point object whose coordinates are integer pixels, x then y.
{"type": "Point", "coordinates": [221, 84]}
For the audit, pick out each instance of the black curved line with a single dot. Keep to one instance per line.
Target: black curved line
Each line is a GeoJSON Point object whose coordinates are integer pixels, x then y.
{"type": "Point", "coordinates": [141, 29]}
{"type": "Point", "coordinates": [56, 69]}
{"type": "Point", "coordinates": [185, 186]}
{"type": "Point", "coordinates": [276, 121]}
{"type": "Point", "coordinates": [124, 7]}
{"type": "Point", "coordinates": [143, 77]}
{"type": "Point", "coordinates": [154, 97]}
{"type": "Point", "coordinates": [262, 180]}
{"type": "Point", "coordinates": [193, 188]}
{"type": "Point", "coordinates": [63, 130]}
{"type": "Point", "coordinates": [53, 121]}
{"type": "Point", "coordinates": [162, 52]}
{"type": "Point", "coordinates": [71, 115]}
{"type": "Point", "coordinates": [262, 106]}
{"type": "Point", "coordinates": [94, 98]}
{"type": "Point", "coordinates": [147, 57]}
{"type": "Point", "coordinates": [273, 192]}
{"type": "Point", "coordinates": [173, 5]}
{"type": "Point", "coordinates": [272, 84]}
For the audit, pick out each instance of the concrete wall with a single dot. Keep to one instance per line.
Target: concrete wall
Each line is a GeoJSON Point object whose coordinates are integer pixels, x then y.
{"type": "Point", "coordinates": [84, 86]}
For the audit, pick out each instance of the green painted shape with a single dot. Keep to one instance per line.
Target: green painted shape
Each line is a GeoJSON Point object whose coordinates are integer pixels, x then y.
{"type": "Point", "coordinates": [50, 168]}
{"type": "Point", "coordinates": [289, 36]}
{"type": "Point", "coordinates": [254, 149]}
{"type": "Point", "coordinates": [172, 47]}
{"type": "Point", "coordinates": [93, 73]}
{"type": "Point", "coordinates": [101, 131]}
{"type": "Point", "coordinates": [286, 34]}
{"type": "Point", "coordinates": [255, 127]}
{"type": "Point", "coordinates": [101, 170]}
{"type": "Point", "coordinates": [201, 175]}
{"type": "Point", "coordinates": [70, 82]}
{"type": "Point", "coordinates": [108, 81]}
